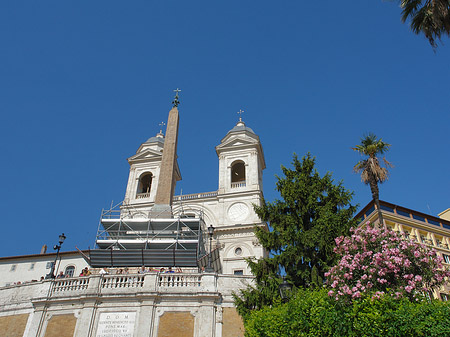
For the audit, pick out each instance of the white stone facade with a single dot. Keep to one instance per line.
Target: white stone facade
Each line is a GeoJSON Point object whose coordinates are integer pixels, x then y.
{"type": "Point", "coordinates": [142, 298]}
{"type": "Point", "coordinates": [229, 209]}
{"type": "Point", "coordinates": [155, 303]}
{"type": "Point", "coordinates": [29, 268]}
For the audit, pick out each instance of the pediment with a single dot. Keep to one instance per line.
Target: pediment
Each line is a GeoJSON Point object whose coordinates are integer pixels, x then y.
{"type": "Point", "coordinates": [237, 142]}
{"type": "Point", "coordinates": [145, 156]}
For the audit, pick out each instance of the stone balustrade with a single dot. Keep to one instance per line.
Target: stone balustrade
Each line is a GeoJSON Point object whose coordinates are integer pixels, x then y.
{"type": "Point", "coordinates": [195, 196]}
{"type": "Point", "coordinates": [123, 285]}
{"type": "Point", "coordinates": [142, 195]}
{"type": "Point", "coordinates": [122, 281]}
{"type": "Point", "coordinates": [238, 184]}
{"type": "Point", "coordinates": [70, 284]}
{"type": "Point", "coordinates": [179, 281]}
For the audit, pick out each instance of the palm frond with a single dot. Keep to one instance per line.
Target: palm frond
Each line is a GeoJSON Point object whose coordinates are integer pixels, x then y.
{"type": "Point", "coordinates": [430, 17]}
{"type": "Point", "coordinates": [361, 165]}
{"type": "Point", "coordinates": [370, 168]}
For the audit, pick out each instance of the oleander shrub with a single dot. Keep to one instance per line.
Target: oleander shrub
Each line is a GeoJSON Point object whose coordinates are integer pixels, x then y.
{"type": "Point", "coordinates": [378, 261]}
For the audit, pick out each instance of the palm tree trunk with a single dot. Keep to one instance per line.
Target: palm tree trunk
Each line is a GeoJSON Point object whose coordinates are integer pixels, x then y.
{"type": "Point", "coordinates": [375, 196]}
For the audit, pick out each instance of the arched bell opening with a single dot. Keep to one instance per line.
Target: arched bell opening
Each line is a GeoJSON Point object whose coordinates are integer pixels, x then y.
{"type": "Point", "coordinates": [238, 174]}
{"type": "Point", "coordinates": [144, 186]}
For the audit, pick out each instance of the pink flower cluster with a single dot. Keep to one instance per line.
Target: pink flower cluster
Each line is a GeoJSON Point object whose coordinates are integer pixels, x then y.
{"type": "Point", "coordinates": [378, 261]}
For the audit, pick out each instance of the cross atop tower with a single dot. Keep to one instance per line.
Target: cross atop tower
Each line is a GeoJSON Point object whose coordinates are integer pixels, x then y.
{"type": "Point", "coordinates": [240, 114]}
{"type": "Point", "coordinates": [175, 101]}
{"type": "Point", "coordinates": [161, 125]}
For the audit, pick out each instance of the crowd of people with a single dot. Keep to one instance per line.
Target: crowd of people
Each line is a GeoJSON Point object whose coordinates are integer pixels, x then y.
{"type": "Point", "coordinates": [142, 270]}
{"type": "Point", "coordinates": [111, 271]}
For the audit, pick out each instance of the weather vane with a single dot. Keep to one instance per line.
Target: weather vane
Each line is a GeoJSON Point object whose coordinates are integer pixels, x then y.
{"type": "Point", "coordinates": [161, 125]}
{"type": "Point", "coordinates": [240, 114]}
{"type": "Point", "coordinates": [175, 101]}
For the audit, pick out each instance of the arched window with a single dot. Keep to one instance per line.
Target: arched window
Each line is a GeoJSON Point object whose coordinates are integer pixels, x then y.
{"type": "Point", "coordinates": [238, 172]}
{"type": "Point", "coordinates": [70, 270]}
{"type": "Point", "coordinates": [145, 183]}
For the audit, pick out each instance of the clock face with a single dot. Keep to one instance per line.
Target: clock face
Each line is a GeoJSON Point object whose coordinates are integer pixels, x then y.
{"type": "Point", "coordinates": [238, 211]}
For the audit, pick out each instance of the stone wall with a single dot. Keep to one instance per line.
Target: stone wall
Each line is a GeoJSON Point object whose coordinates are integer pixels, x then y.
{"type": "Point", "coordinates": [233, 326]}
{"type": "Point", "coordinates": [180, 324]}
{"type": "Point", "coordinates": [13, 325]}
{"type": "Point", "coordinates": [61, 326]}
{"type": "Point", "coordinates": [196, 305]}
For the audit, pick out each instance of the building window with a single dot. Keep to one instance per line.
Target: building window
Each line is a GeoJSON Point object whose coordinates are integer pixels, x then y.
{"type": "Point", "coordinates": [445, 297]}
{"type": "Point", "coordinates": [238, 272]}
{"type": "Point", "coordinates": [32, 265]}
{"type": "Point", "coordinates": [238, 174]}
{"type": "Point", "coordinates": [387, 208]}
{"type": "Point", "coordinates": [145, 183]}
{"type": "Point", "coordinates": [70, 270]}
{"type": "Point", "coordinates": [400, 212]}
{"type": "Point", "coordinates": [49, 265]}
{"type": "Point", "coordinates": [418, 217]}
{"type": "Point", "coordinates": [446, 258]}
{"type": "Point", "coordinates": [13, 267]}
{"type": "Point", "coordinates": [238, 251]}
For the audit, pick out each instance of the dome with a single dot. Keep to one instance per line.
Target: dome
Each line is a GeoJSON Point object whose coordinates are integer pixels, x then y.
{"type": "Point", "coordinates": [159, 138]}
{"type": "Point", "coordinates": [240, 126]}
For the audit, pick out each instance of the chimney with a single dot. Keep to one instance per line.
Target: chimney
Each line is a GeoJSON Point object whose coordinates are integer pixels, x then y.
{"type": "Point", "coordinates": [44, 249]}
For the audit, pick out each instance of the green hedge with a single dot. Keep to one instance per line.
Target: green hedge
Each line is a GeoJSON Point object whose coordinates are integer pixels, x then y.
{"type": "Point", "coordinates": [313, 313]}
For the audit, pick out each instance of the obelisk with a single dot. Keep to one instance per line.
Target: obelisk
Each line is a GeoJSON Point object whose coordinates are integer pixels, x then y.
{"type": "Point", "coordinates": [166, 181]}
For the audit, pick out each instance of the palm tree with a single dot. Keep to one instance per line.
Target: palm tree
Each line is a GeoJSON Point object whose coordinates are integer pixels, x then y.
{"type": "Point", "coordinates": [430, 17]}
{"type": "Point", "coordinates": [371, 171]}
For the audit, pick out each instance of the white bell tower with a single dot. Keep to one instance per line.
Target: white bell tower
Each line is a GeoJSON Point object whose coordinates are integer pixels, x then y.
{"type": "Point", "coordinates": [241, 161]}
{"type": "Point", "coordinates": [144, 174]}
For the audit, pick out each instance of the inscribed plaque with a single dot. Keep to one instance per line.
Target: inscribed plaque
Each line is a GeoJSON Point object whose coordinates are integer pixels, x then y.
{"type": "Point", "coordinates": [116, 324]}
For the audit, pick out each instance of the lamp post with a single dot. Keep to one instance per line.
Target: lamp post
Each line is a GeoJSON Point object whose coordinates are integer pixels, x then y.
{"type": "Point", "coordinates": [51, 274]}
{"type": "Point", "coordinates": [209, 268]}
{"type": "Point", "coordinates": [285, 290]}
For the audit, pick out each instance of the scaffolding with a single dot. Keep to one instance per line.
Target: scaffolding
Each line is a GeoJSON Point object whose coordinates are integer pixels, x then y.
{"type": "Point", "coordinates": [158, 242]}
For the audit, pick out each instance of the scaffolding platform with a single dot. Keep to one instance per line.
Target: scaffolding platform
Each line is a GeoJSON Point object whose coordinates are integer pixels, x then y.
{"type": "Point", "coordinates": [154, 242]}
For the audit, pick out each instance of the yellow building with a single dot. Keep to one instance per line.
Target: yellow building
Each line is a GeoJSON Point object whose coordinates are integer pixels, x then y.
{"type": "Point", "coordinates": [427, 229]}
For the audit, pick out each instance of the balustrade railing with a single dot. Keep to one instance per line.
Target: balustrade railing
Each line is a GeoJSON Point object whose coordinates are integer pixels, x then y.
{"type": "Point", "coordinates": [195, 196]}
{"type": "Point", "coordinates": [238, 184]}
{"type": "Point", "coordinates": [71, 284]}
{"type": "Point", "coordinates": [122, 281]}
{"type": "Point", "coordinates": [98, 283]}
{"type": "Point", "coordinates": [142, 195]}
{"type": "Point", "coordinates": [179, 280]}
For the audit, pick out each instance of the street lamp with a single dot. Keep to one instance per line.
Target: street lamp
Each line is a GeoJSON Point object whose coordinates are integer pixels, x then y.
{"type": "Point", "coordinates": [285, 290]}
{"type": "Point", "coordinates": [209, 268]}
{"type": "Point", "coordinates": [51, 274]}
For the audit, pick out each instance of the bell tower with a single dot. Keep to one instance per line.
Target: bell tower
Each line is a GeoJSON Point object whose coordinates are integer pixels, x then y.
{"type": "Point", "coordinates": [241, 160]}
{"type": "Point", "coordinates": [154, 171]}
{"type": "Point", "coordinates": [144, 171]}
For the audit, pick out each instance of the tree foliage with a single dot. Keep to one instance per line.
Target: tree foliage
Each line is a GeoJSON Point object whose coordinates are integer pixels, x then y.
{"type": "Point", "coordinates": [430, 17]}
{"type": "Point", "coordinates": [372, 173]}
{"type": "Point", "coordinates": [311, 313]}
{"type": "Point", "coordinates": [377, 261]}
{"type": "Point", "coordinates": [312, 212]}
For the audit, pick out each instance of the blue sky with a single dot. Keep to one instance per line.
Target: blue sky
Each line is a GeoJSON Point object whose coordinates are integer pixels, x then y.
{"type": "Point", "coordinates": [84, 83]}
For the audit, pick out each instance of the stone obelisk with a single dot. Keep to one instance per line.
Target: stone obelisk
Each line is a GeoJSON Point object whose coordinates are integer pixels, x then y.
{"type": "Point", "coordinates": [166, 181]}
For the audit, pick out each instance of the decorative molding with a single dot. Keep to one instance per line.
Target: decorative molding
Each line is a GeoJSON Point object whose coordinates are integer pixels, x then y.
{"type": "Point", "coordinates": [235, 235]}
{"type": "Point", "coordinates": [219, 314]}
{"type": "Point", "coordinates": [256, 243]}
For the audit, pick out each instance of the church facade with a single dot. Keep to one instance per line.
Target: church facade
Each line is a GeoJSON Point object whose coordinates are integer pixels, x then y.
{"type": "Point", "coordinates": [195, 298]}
{"type": "Point", "coordinates": [229, 209]}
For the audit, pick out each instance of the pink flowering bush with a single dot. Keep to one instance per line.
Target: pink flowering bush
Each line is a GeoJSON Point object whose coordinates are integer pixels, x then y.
{"type": "Point", "coordinates": [377, 261]}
